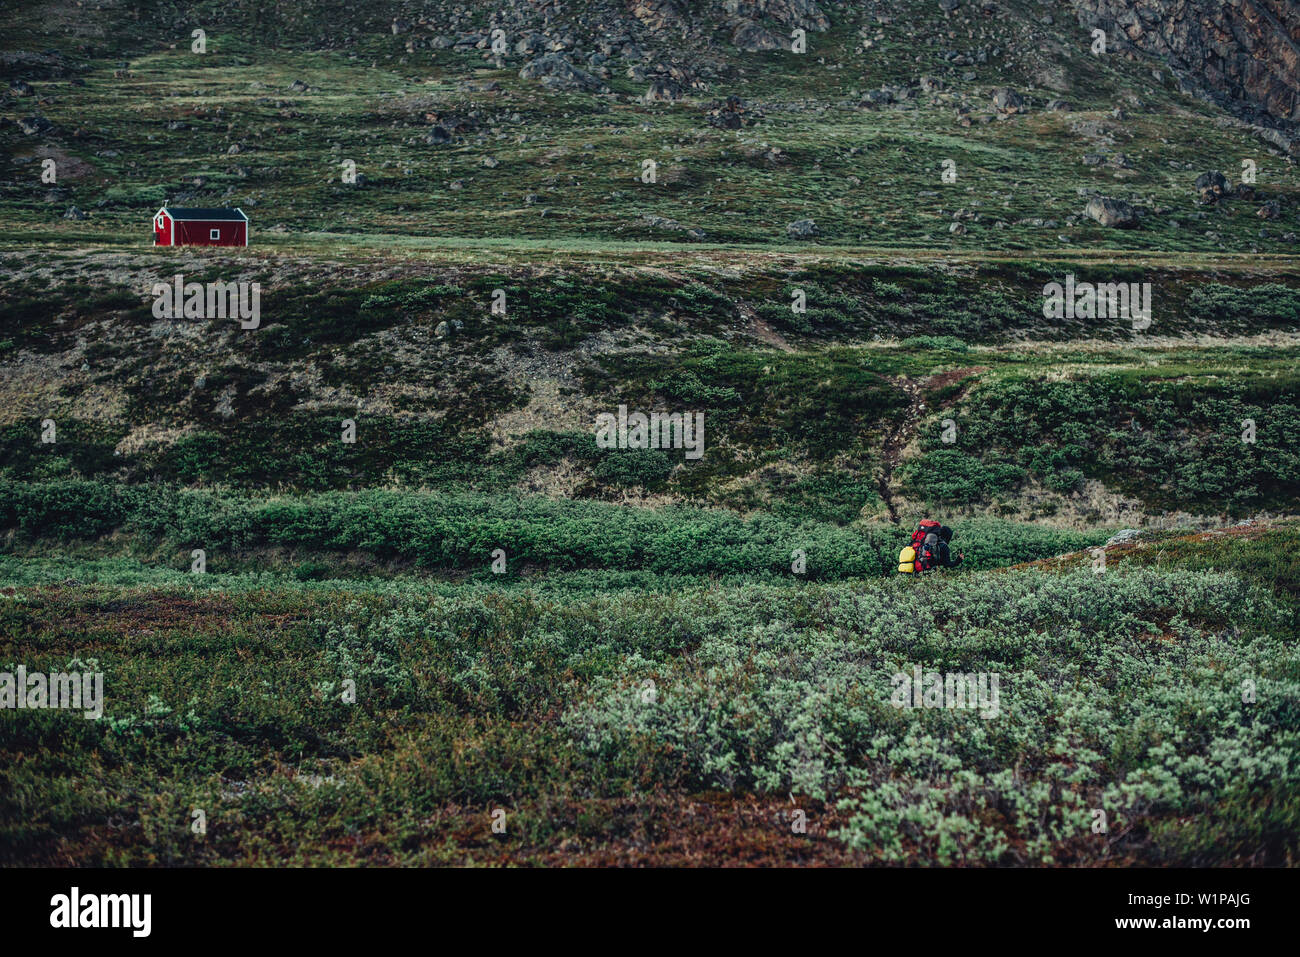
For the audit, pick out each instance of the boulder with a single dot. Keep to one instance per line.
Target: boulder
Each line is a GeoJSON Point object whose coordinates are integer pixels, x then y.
{"type": "Point", "coordinates": [663, 90]}
{"type": "Point", "coordinates": [1212, 186]}
{"type": "Point", "coordinates": [1113, 213]}
{"type": "Point", "coordinates": [34, 124]}
{"type": "Point", "coordinates": [802, 229]}
{"type": "Point", "coordinates": [1007, 100]}
{"type": "Point", "coordinates": [749, 37]}
{"type": "Point", "coordinates": [557, 73]}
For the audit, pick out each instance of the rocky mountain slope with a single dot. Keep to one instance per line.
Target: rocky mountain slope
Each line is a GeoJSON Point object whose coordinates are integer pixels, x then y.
{"type": "Point", "coordinates": [1246, 53]}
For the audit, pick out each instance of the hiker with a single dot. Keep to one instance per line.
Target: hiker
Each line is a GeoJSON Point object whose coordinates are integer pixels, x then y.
{"type": "Point", "coordinates": [929, 549]}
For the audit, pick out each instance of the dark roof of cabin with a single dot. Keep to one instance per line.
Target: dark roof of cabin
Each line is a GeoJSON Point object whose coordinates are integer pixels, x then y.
{"type": "Point", "coordinates": [194, 212]}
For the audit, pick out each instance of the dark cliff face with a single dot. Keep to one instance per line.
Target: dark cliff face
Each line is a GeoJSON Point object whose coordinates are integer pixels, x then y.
{"type": "Point", "coordinates": [1245, 52]}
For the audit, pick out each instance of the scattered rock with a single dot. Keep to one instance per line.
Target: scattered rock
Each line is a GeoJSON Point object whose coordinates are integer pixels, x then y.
{"type": "Point", "coordinates": [724, 119]}
{"type": "Point", "coordinates": [1212, 186]}
{"type": "Point", "coordinates": [74, 213]}
{"type": "Point", "coordinates": [557, 73]}
{"type": "Point", "coordinates": [663, 90]}
{"type": "Point", "coordinates": [531, 44]}
{"type": "Point", "coordinates": [749, 37]}
{"type": "Point", "coordinates": [34, 124]}
{"type": "Point", "coordinates": [662, 222]}
{"type": "Point", "coordinates": [1114, 213]}
{"type": "Point", "coordinates": [1007, 100]}
{"type": "Point", "coordinates": [1124, 536]}
{"type": "Point", "coordinates": [802, 229]}
{"type": "Point", "coordinates": [730, 114]}
{"type": "Point", "coordinates": [1090, 128]}
{"type": "Point", "coordinates": [1054, 77]}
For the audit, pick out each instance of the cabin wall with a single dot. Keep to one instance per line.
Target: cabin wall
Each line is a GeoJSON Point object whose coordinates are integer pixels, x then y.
{"type": "Point", "coordinates": [198, 233]}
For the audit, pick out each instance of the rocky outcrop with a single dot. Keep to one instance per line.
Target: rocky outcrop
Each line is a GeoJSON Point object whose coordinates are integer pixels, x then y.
{"type": "Point", "coordinates": [749, 20]}
{"type": "Point", "coordinates": [1245, 53]}
{"type": "Point", "coordinates": [788, 13]}
{"type": "Point", "coordinates": [657, 15]}
{"type": "Point", "coordinates": [556, 72]}
{"type": "Point", "coordinates": [752, 38]}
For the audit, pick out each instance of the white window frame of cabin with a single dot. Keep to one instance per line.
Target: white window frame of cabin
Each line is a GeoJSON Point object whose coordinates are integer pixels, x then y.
{"type": "Point", "coordinates": [214, 233]}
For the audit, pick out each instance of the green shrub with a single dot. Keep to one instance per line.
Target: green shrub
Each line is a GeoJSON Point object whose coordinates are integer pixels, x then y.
{"type": "Point", "coordinates": [937, 343]}
{"type": "Point", "coordinates": [447, 531]}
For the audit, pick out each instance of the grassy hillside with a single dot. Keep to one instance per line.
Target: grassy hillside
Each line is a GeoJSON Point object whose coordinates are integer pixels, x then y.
{"type": "Point", "coordinates": [363, 578]}
{"type": "Point", "coordinates": [835, 413]}
{"type": "Point", "coordinates": [266, 116]}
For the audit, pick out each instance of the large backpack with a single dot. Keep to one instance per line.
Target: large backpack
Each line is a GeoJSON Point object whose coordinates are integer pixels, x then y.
{"type": "Point", "coordinates": [927, 553]}
{"type": "Point", "coordinates": [920, 556]}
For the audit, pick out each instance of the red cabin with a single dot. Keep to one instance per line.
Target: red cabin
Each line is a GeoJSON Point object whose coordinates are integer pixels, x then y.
{"type": "Point", "coordinates": [179, 226]}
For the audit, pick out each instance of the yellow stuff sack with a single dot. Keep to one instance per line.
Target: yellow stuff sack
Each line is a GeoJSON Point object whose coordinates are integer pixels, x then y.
{"type": "Point", "coordinates": [905, 559]}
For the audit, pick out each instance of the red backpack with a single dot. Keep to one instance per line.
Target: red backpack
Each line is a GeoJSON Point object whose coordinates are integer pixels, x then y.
{"type": "Point", "coordinates": [924, 528]}
{"type": "Point", "coordinates": [925, 557]}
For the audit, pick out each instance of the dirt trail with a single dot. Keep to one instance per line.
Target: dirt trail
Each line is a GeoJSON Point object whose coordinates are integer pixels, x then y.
{"type": "Point", "coordinates": [896, 439]}
{"type": "Point", "coordinates": [763, 331]}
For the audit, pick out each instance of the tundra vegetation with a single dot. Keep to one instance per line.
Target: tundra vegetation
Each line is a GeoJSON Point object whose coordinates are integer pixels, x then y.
{"type": "Point", "coordinates": [359, 651]}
